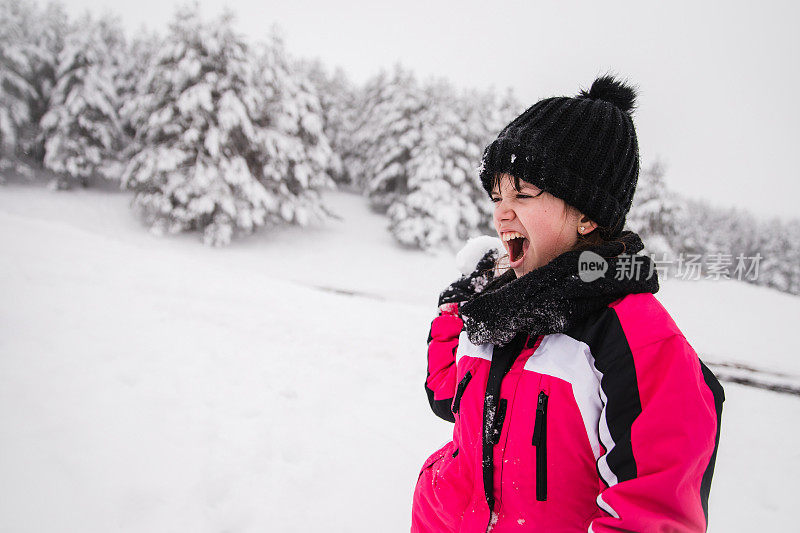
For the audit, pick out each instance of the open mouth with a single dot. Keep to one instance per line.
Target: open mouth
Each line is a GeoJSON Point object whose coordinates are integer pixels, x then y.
{"type": "Point", "coordinates": [516, 245]}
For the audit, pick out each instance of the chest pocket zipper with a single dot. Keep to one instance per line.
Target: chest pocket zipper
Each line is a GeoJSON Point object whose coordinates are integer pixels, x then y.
{"type": "Point", "coordinates": [540, 441]}
{"type": "Point", "coordinates": [462, 386]}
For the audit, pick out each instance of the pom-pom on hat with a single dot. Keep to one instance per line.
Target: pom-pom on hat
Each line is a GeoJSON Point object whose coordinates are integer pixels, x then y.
{"type": "Point", "coordinates": [582, 149]}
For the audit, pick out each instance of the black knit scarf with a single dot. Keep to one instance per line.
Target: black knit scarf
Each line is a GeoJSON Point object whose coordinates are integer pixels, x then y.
{"type": "Point", "coordinates": [553, 297]}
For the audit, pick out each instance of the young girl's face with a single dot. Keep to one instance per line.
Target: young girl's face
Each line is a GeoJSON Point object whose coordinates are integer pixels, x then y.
{"type": "Point", "coordinates": [534, 225]}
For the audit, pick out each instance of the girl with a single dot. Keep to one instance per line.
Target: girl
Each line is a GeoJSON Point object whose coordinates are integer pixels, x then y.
{"type": "Point", "coordinates": [578, 403]}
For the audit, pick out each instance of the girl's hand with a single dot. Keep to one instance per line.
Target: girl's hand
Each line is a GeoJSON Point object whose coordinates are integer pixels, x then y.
{"type": "Point", "coordinates": [467, 286]}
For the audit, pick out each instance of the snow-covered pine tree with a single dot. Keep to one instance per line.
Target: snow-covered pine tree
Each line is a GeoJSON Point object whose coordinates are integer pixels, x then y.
{"type": "Point", "coordinates": [774, 247]}
{"type": "Point", "coordinates": [357, 143]}
{"type": "Point", "coordinates": [391, 129]}
{"type": "Point", "coordinates": [292, 152]}
{"type": "Point", "coordinates": [30, 41]}
{"type": "Point", "coordinates": [654, 211]}
{"type": "Point", "coordinates": [226, 144]}
{"type": "Point", "coordinates": [15, 22]}
{"type": "Point", "coordinates": [190, 171]}
{"type": "Point", "coordinates": [421, 147]}
{"type": "Point", "coordinates": [82, 129]}
{"type": "Point", "coordinates": [486, 113]}
{"type": "Point", "coordinates": [772, 240]}
{"type": "Point", "coordinates": [445, 203]}
{"type": "Point", "coordinates": [49, 34]}
{"type": "Point", "coordinates": [720, 235]}
{"type": "Point", "coordinates": [337, 96]}
{"type": "Point", "coordinates": [791, 253]}
{"type": "Point", "coordinates": [493, 111]}
{"type": "Point", "coordinates": [131, 84]}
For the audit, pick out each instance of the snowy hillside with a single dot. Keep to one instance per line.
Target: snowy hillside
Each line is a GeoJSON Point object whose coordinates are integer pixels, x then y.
{"type": "Point", "coordinates": [155, 384]}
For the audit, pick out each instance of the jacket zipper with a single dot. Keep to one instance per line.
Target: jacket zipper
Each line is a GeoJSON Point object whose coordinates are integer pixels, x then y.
{"type": "Point", "coordinates": [503, 358]}
{"type": "Point", "coordinates": [540, 441]}
{"type": "Point", "coordinates": [462, 386]}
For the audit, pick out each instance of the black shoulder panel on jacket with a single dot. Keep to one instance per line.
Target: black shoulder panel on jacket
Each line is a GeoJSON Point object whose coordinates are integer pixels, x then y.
{"type": "Point", "coordinates": [613, 357]}
{"type": "Point", "coordinates": [719, 397]}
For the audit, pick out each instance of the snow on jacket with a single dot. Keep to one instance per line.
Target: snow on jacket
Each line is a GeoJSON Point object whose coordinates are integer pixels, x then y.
{"type": "Point", "coordinates": [610, 425]}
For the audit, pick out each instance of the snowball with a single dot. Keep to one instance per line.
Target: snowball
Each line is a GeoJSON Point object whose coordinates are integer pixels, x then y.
{"type": "Point", "coordinates": [474, 249]}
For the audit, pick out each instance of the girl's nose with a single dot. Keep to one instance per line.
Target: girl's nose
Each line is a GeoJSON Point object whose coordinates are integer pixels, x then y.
{"type": "Point", "coordinates": [503, 211]}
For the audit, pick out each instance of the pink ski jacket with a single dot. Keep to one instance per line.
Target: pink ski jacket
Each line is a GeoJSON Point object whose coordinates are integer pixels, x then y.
{"type": "Point", "coordinates": [610, 426]}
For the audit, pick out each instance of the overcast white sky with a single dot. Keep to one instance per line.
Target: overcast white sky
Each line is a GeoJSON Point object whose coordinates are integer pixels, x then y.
{"type": "Point", "coordinates": [717, 80]}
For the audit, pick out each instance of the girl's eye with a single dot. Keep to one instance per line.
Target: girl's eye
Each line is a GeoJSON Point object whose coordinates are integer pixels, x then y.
{"type": "Point", "coordinates": [529, 195]}
{"type": "Point", "coordinates": [520, 196]}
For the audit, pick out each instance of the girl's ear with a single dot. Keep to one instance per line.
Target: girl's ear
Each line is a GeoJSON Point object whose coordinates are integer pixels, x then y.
{"type": "Point", "coordinates": [586, 225]}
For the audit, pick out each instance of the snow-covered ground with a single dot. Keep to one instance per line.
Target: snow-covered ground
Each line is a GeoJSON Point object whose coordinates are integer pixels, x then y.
{"type": "Point", "coordinates": [153, 384]}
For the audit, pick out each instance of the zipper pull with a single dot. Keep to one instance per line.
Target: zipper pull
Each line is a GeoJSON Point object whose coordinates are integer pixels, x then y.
{"type": "Point", "coordinates": [541, 407]}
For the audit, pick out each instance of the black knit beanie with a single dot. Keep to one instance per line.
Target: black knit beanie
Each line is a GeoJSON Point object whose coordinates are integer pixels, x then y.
{"type": "Point", "coordinates": [581, 149]}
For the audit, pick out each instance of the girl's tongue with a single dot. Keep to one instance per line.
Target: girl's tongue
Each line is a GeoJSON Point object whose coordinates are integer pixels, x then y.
{"type": "Point", "coordinates": [517, 248]}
